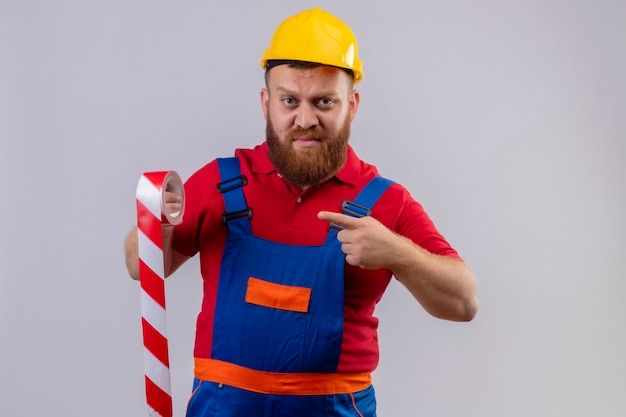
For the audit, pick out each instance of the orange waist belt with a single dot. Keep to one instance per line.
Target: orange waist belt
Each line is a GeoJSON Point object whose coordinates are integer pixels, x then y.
{"type": "Point", "coordinates": [280, 383]}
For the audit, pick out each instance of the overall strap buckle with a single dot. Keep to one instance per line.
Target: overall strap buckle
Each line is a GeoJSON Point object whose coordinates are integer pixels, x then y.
{"type": "Point", "coordinates": [351, 209]}
{"type": "Point", "coordinates": [233, 215]}
{"type": "Point", "coordinates": [234, 201]}
{"type": "Point", "coordinates": [232, 184]}
{"type": "Point", "coordinates": [355, 210]}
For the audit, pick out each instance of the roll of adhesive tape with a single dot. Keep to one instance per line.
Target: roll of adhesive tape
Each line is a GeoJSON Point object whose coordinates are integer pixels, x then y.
{"type": "Point", "coordinates": [151, 216]}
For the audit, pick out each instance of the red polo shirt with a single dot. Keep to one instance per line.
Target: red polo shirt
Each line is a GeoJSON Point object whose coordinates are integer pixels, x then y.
{"type": "Point", "coordinates": [282, 213]}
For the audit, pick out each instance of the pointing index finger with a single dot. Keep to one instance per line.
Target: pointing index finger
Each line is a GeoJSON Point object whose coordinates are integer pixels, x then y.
{"type": "Point", "coordinates": [338, 221]}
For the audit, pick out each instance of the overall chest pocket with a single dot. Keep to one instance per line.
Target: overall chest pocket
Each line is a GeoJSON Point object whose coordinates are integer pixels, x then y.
{"type": "Point", "coordinates": [282, 297]}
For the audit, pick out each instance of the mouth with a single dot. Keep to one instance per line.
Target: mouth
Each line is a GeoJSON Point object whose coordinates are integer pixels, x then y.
{"type": "Point", "coordinates": [305, 142]}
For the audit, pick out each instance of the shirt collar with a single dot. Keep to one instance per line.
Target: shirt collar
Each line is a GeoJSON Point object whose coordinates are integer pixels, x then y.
{"type": "Point", "coordinates": [349, 174]}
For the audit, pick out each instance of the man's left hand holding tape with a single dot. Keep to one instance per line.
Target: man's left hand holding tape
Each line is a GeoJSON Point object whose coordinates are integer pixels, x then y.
{"type": "Point", "coordinates": [171, 258]}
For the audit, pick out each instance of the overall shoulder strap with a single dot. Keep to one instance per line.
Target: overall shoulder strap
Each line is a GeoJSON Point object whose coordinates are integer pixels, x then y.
{"type": "Point", "coordinates": [370, 194]}
{"type": "Point", "coordinates": [363, 202]}
{"type": "Point", "coordinates": [237, 215]}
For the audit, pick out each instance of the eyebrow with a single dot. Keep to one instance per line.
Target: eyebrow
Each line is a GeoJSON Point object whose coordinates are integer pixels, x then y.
{"type": "Point", "coordinates": [320, 94]}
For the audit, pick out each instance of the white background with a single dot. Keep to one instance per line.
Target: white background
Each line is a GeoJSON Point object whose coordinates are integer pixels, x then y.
{"type": "Point", "coordinates": [507, 120]}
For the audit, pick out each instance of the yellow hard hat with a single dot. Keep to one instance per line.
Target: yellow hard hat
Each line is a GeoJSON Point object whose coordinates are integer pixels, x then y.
{"type": "Point", "coordinates": [315, 36]}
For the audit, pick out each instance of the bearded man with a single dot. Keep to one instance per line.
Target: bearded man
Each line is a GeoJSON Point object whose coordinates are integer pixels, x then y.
{"type": "Point", "coordinates": [298, 239]}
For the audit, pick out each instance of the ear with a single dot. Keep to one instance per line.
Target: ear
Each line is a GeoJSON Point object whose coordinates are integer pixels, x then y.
{"type": "Point", "coordinates": [355, 99]}
{"type": "Point", "coordinates": [265, 102]}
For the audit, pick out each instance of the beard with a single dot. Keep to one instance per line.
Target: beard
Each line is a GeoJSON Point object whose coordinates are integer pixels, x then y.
{"type": "Point", "coordinates": [309, 166]}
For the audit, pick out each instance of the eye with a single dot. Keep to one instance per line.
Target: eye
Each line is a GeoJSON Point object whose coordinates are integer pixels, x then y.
{"type": "Point", "coordinates": [289, 101]}
{"type": "Point", "coordinates": [325, 102]}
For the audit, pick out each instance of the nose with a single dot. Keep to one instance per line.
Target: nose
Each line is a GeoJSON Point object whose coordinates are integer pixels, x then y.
{"type": "Point", "coordinates": [306, 116]}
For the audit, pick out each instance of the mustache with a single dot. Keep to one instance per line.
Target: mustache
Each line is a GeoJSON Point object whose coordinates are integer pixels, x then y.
{"type": "Point", "coordinates": [311, 132]}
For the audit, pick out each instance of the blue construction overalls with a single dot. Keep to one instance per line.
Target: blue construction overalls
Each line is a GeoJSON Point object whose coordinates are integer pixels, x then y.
{"type": "Point", "coordinates": [279, 311]}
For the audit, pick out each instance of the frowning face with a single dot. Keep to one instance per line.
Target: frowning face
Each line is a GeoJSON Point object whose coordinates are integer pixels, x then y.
{"type": "Point", "coordinates": [308, 113]}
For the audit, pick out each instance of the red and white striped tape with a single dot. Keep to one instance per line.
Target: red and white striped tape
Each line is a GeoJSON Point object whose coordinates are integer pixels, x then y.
{"type": "Point", "coordinates": [151, 216]}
